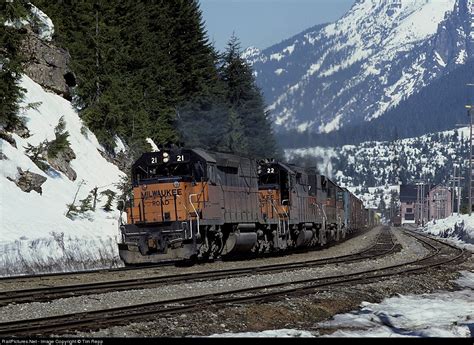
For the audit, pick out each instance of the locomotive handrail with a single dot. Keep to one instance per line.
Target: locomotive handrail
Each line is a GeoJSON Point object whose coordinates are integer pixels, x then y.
{"type": "Point", "coordinates": [121, 211]}
{"type": "Point", "coordinates": [287, 215]}
{"type": "Point", "coordinates": [339, 225]}
{"type": "Point", "coordinates": [325, 218]}
{"type": "Point", "coordinates": [195, 212]}
{"type": "Point", "coordinates": [283, 203]}
{"type": "Point", "coordinates": [187, 211]}
{"type": "Point", "coordinates": [276, 211]}
{"type": "Point", "coordinates": [322, 210]}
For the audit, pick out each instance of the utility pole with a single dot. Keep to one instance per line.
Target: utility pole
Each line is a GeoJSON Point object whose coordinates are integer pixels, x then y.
{"type": "Point", "coordinates": [423, 204]}
{"type": "Point", "coordinates": [419, 216]}
{"type": "Point", "coordinates": [453, 191]}
{"type": "Point", "coordinates": [469, 113]}
{"type": "Point", "coordinates": [456, 193]}
{"type": "Point", "coordinates": [417, 204]}
{"type": "Point", "coordinates": [459, 194]}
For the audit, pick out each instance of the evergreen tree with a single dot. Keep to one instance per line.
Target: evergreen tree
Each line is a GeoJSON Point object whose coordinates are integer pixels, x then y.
{"type": "Point", "coordinates": [382, 205]}
{"type": "Point", "coordinates": [10, 63]}
{"type": "Point", "coordinates": [35, 153]}
{"type": "Point", "coordinates": [61, 142]}
{"type": "Point", "coordinates": [85, 204]}
{"type": "Point", "coordinates": [204, 124]}
{"type": "Point", "coordinates": [236, 140]}
{"type": "Point", "coordinates": [110, 198]}
{"type": "Point", "coordinates": [136, 64]}
{"type": "Point", "coordinates": [246, 101]}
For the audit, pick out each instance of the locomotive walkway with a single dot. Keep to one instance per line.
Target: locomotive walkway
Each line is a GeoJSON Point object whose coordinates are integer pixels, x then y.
{"type": "Point", "coordinates": [440, 254]}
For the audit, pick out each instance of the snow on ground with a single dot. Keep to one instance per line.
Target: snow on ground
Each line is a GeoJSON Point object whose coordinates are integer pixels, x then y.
{"type": "Point", "coordinates": [441, 314]}
{"type": "Point", "coordinates": [36, 236]}
{"type": "Point", "coordinates": [458, 229]}
{"type": "Point", "coordinates": [277, 333]}
{"type": "Point", "coordinates": [46, 27]}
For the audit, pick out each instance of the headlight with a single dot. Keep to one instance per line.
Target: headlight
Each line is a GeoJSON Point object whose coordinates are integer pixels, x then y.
{"type": "Point", "coordinates": [166, 160]}
{"type": "Point", "coordinates": [176, 184]}
{"type": "Point", "coordinates": [165, 155]}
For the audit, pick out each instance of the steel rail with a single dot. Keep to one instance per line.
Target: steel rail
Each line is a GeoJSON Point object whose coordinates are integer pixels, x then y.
{"type": "Point", "coordinates": [383, 245]}
{"type": "Point", "coordinates": [169, 263]}
{"type": "Point", "coordinates": [101, 318]}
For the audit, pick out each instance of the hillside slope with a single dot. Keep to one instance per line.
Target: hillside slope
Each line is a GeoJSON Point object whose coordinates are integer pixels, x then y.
{"type": "Point", "coordinates": [36, 234]}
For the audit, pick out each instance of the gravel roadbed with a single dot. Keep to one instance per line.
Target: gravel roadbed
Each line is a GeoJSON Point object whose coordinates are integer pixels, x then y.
{"type": "Point", "coordinates": [353, 245]}
{"type": "Point", "coordinates": [303, 313]}
{"type": "Point", "coordinates": [411, 250]}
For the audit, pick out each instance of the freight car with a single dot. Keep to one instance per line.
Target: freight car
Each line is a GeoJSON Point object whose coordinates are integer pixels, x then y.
{"type": "Point", "coordinates": [190, 203]}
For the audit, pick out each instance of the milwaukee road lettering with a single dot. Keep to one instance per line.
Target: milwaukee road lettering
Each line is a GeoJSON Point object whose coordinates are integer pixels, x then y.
{"type": "Point", "coordinates": [168, 193]}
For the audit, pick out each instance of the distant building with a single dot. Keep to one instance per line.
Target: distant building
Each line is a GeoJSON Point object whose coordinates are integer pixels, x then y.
{"type": "Point", "coordinates": [440, 202]}
{"type": "Point", "coordinates": [418, 209]}
{"type": "Point", "coordinates": [412, 209]}
{"type": "Point", "coordinates": [407, 204]}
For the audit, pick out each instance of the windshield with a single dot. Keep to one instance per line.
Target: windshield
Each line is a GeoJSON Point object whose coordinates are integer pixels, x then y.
{"type": "Point", "coordinates": [170, 171]}
{"type": "Point", "coordinates": [268, 175]}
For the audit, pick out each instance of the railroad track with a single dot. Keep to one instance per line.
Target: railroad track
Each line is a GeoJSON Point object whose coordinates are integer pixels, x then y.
{"type": "Point", "coordinates": [383, 245]}
{"type": "Point", "coordinates": [162, 264]}
{"type": "Point", "coordinates": [440, 254]}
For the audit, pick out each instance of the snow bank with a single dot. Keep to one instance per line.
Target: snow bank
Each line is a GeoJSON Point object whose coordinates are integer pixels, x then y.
{"type": "Point", "coordinates": [39, 20]}
{"type": "Point", "coordinates": [36, 236]}
{"type": "Point", "coordinates": [277, 333]}
{"type": "Point", "coordinates": [46, 27]}
{"type": "Point", "coordinates": [458, 229]}
{"type": "Point", "coordinates": [442, 314]}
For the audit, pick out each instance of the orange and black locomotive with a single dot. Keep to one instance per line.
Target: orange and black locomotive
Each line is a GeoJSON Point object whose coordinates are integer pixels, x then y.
{"type": "Point", "coordinates": [191, 203]}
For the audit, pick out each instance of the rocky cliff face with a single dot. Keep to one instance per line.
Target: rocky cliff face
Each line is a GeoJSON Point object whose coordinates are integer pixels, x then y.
{"type": "Point", "coordinates": [357, 68]}
{"type": "Point", "coordinates": [47, 65]}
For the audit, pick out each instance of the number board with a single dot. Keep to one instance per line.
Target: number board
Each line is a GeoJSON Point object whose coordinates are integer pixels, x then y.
{"type": "Point", "coordinates": [160, 159]}
{"type": "Point", "coordinates": [270, 170]}
{"type": "Point", "coordinates": [180, 157]}
{"type": "Point", "coordinates": [155, 159]}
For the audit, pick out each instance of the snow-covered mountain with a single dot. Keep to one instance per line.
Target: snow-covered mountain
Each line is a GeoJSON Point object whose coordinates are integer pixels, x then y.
{"type": "Point", "coordinates": [379, 53]}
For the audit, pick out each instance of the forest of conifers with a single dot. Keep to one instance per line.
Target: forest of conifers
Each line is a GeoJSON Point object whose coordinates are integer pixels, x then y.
{"type": "Point", "coordinates": [146, 69]}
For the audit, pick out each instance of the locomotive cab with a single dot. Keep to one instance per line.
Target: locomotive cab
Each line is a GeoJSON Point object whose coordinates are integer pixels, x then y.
{"type": "Point", "coordinates": [274, 190]}
{"type": "Point", "coordinates": [162, 183]}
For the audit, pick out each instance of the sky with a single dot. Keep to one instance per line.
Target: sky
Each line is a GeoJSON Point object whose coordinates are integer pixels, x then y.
{"type": "Point", "coordinates": [262, 23]}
